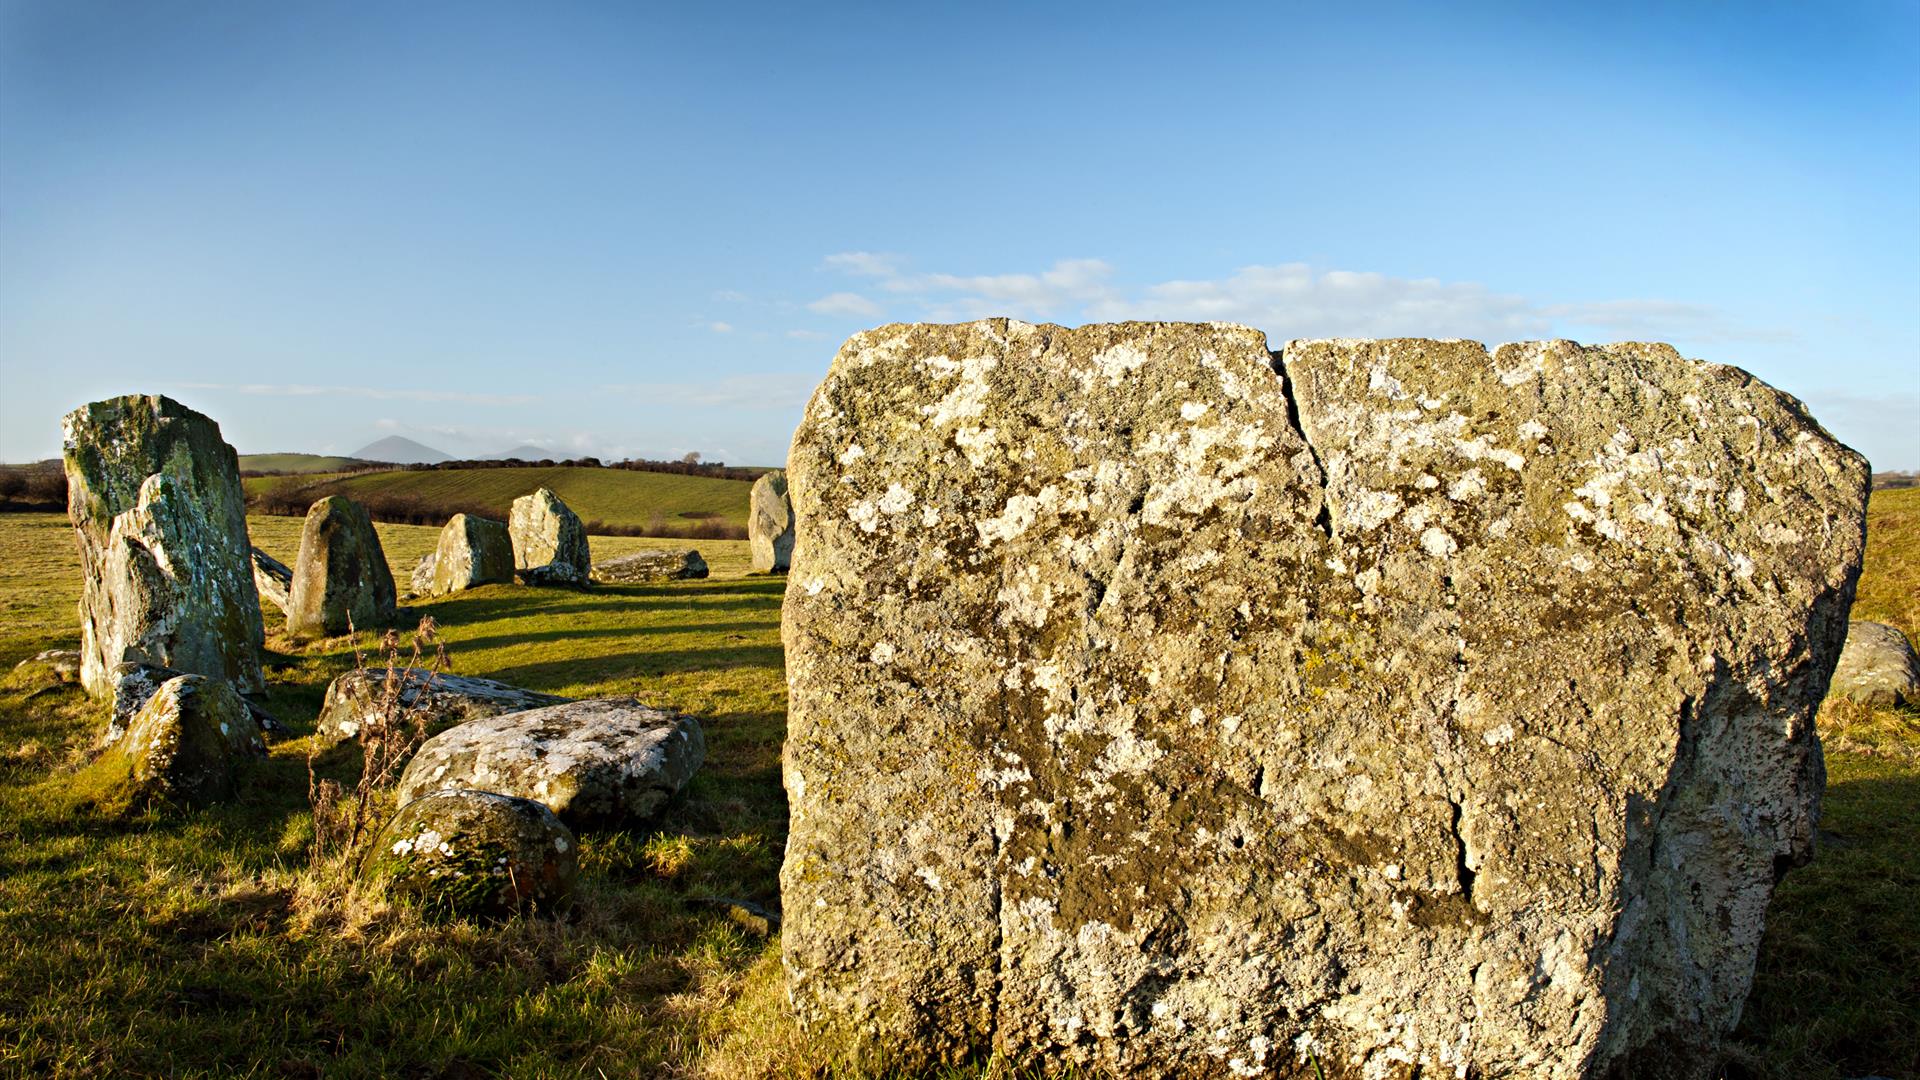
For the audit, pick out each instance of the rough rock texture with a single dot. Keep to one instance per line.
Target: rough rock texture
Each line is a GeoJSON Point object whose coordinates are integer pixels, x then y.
{"type": "Point", "coordinates": [59, 665]}
{"type": "Point", "coordinates": [476, 853]}
{"type": "Point", "coordinates": [770, 523]}
{"type": "Point", "coordinates": [155, 499]}
{"type": "Point", "coordinates": [447, 700]}
{"type": "Point", "coordinates": [472, 551]}
{"type": "Point", "coordinates": [1424, 708]}
{"type": "Point", "coordinates": [1877, 667]}
{"type": "Point", "coordinates": [592, 762]}
{"type": "Point", "coordinates": [184, 746]}
{"type": "Point", "coordinates": [420, 581]}
{"type": "Point", "coordinates": [136, 684]}
{"type": "Point", "coordinates": [642, 567]}
{"type": "Point", "coordinates": [273, 579]}
{"type": "Point", "coordinates": [340, 578]}
{"type": "Point", "coordinates": [549, 543]}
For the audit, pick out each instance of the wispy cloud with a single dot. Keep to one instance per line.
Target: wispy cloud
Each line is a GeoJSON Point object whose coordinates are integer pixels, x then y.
{"type": "Point", "coordinates": [781, 390]}
{"type": "Point", "coordinates": [374, 393]}
{"type": "Point", "coordinates": [1288, 300]}
{"type": "Point", "coordinates": [720, 327]}
{"type": "Point", "coordinates": [845, 303]}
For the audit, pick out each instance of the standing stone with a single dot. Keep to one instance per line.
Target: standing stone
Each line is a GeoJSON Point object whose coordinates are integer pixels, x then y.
{"type": "Point", "coordinates": [185, 746]}
{"type": "Point", "coordinates": [1161, 706]}
{"type": "Point", "coordinates": [1878, 666]}
{"type": "Point", "coordinates": [549, 543]}
{"type": "Point", "coordinates": [643, 567]}
{"type": "Point", "coordinates": [156, 503]}
{"type": "Point", "coordinates": [472, 551]}
{"type": "Point", "coordinates": [273, 579]}
{"type": "Point", "coordinates": [770, 523]}
{"type": "Point", "coordinates": [341, 575]}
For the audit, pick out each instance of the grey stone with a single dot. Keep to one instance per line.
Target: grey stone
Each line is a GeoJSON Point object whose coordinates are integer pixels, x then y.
{"type": "Point", "coordinates": [61, 665]}
{"type": "Point", "coordinates": [770, 523]}
{"type": "Point", "coordinates": [437, 703]}
{"type": "Point", "coordinates": [1157, 712]}
{"type": "Point", "coordinates": [185, 746]}
{"type": "Point", "coordinates": [594, 762]}
{"type": "Point", "coordinates": [476, 853]}
{"type": "Point", "coordinates": [340, 579]}
{"type": "Point", "coordinates": [1878, 667]}
{"type": "Point", "coordinates": [549, 543]}
{"type": "Point", "coordinates": [420, 581]}
{"type": "Point", "coordinates": [155, 499]}
{"type": "Point", "coordinates": [472, 551]}
{"type": "Point", "coordinates": [135, 684]}
{"type": "Point", "coordinates": [643, 567]}
{"type": "Point", "coordinates": [273, 579]}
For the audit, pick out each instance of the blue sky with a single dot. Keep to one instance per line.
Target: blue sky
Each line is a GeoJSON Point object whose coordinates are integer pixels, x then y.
{"type": "Point", "coordinates": [631, 230]}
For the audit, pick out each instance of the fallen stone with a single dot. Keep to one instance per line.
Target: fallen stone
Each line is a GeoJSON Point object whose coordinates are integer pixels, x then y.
{"type": "Point", "coordinates": [643, 567]}
{"type": "Point", "coordinates": [273, 579]}
{"type": "Point", "coordinates": [155, 499]}
{"type": "Point", "coordinates": [59, 665]}
{"type": "Point", "coordinates": [136, 684]}
{"type": "Point", "coordinates": [341, 579]}
{"type": "Point", "coordinates": [472, 551]}
{"type": "Point", "coordinates": [185, 746]}
{"type": "Point", "coordinates": [355, 699]}
{"type": "Point", "coordinates": [1878, 667]}
{"type": "Point", "coordinates": [770, 523]}
{"type": "Point", "coordinates": [476, 853]}
{"type": "Point", "coordinates": [1409, 708]}
{"type": "Point", "coordinates": [597, 762]}
{"type": "Point", "coordinates": [549, 543]}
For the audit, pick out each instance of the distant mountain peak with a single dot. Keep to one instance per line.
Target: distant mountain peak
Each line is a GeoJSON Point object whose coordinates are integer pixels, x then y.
{"type": "Point", "coordinates": [399, 450]}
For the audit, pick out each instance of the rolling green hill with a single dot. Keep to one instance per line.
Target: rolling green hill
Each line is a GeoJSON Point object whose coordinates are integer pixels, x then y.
{"type": "Point", "coordinates": [615, 496]}
{"type": "Point", "coordinates": [296, 463]}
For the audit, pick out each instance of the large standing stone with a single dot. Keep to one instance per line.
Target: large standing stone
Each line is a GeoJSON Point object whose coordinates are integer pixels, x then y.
{"type": "Point", "coordinates": [273, 579]}
{"type": "Point", "coordinates": [341, 577]}
{"type": "Point", "coordinates": [185, 746]}
{"type": "Point", "coordinates": [770, 523]}
{"type": "Point", "coordinates": [549, 543]}
{"type": "Point", "coordinates": [156, 503]}
{"type": "Point", "coordinates": [437, 703]}
{"type": "Point", "coordinates": [591, 762]}
{"type": "Point", "coordinates": [644, 567]}
{"type": "Point", "coordinates": [1877, 667]}
{"type": "Point", "coordinates": [472, 551]}
{"type": "Point", "coordinates": [476, 853]}
{"type": "Point", "coordinates": [1418, 708]}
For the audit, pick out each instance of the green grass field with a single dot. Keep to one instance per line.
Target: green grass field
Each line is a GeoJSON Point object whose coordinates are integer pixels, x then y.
{"type": "Point", "coordinates": [615, 496]}
{"type": "Point", "coordinates": [296, 463]}
{"type": "Point", "coordinates": [205, 945]}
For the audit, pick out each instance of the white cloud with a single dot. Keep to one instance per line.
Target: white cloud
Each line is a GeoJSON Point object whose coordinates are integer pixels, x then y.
{"type": "Point", "coordinates": [376, 393]}
{"type": "Point", "coordinates": [864, 264]}
{"type": "Point", "coordinates": [846, 303]}
{"type": "Point", "coordinates": [720, 327]}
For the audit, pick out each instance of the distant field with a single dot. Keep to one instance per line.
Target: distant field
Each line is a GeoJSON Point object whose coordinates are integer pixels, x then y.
{"type": "Point", "coordinates": [297, 463]}
{"type": "Point", "coordinates": [615, 496]}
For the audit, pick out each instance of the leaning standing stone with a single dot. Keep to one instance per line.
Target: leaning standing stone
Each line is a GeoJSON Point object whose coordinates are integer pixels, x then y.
{"type": "Point", "coordinates": [341, 576]}
{"type": "Point", "coordinates": [155, 499]}
{"type": "Point", "coordinates": [476, 853]}
{"type": "Point", "coordinates": [472, 551]}
{"type": "Point", "coordinates": [643, 567]}
{"type": "Point", "coordinates": [549, 543]}
{"type": "Point", "coordinates": [273, 579]}
{"type": "Point", "coordinates": [1878, 666]}
{"type": "Point", "coordinates": [770, 523]}
{"type": "Point", "coordinates": [185, 746]}
{"type": "Point", "coordinates": [1158, 712]}
{"type": "Point", "coordinates": [592, 762]}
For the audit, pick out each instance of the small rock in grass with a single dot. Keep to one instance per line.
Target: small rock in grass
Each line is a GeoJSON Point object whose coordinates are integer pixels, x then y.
{"type": "Point", "coordinates": [62, 665]}
{"type": "Point", "coordinates": [185, 746]}
{"type": "Point", "coordinates": [1877, 667]}
{"type": "Point", "coordinates": [476, 853]}
{"type": "Point", "coordinates": [605, 761]}
{"type": "Point", "coordinates": [273, 579]}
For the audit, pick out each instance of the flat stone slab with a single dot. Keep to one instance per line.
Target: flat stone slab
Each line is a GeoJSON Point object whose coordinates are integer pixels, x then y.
{"type": "Point", "coordinates": [646, 567]}
{"type": "Point", "coordinates": [439, 703]}
{"type": "Point", "coordinates": [1161, 705]}
{"type": "Point", "coordinates": [605, 761]}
